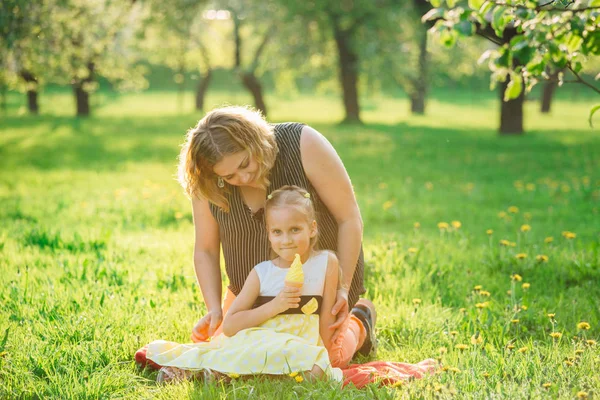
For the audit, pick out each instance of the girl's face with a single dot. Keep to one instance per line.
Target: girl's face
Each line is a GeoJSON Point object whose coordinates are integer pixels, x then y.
{"type": "Point", "coordinates": [238, 169]}
{"type": "Point", "coordinates": [290, 232]}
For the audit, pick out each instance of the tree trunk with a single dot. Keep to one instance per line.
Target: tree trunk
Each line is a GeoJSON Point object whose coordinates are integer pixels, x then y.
{"type": "Point", "coordinates": [201, 89]}
{"type": "Point", "coordinates": [348, 65]}
{"type": "Point", "coordinates": [548, 93]}
{"type": "Point", "coordinates": [32, 93]}
{"type": "Point", "coordinates": [417, 98]}
{"type": "Point", "coordinates": [82, 97]}
{"type": "Point", "coordinates": [253, 85]}
{"type": "Point", "coordinates": [511, 113]}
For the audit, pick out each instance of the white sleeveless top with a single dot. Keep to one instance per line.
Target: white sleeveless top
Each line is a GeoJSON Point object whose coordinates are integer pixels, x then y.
{"type": "Point", "coordinates": [272, 277]}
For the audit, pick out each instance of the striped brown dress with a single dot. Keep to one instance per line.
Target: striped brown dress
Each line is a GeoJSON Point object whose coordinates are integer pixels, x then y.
{"type": "Point", "coordinates": [243, 234]}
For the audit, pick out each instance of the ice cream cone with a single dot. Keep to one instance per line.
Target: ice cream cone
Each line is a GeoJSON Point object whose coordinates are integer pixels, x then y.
{"type": "Point", "coordinates": [295, 276]}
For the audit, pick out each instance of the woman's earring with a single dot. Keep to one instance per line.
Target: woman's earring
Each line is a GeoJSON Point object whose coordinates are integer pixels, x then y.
{"type": "Point", "coordinates": [220, 182]}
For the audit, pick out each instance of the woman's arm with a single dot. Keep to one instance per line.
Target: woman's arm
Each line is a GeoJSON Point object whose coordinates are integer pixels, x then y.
{"type": "Point", "coordinates": [207, 268]}
{"type": "Point", "coordinates": [326, 318]}
{"type": "Point", "coordinates": [241, 315]}
{"type": "Point", "coordinates": [327, 173]}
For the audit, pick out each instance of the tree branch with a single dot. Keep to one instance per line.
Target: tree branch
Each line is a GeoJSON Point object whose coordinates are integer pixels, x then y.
{"type": "Point", "coordinates": [580, 79]}
{"type": "Point", "coordinates": [541, 7]}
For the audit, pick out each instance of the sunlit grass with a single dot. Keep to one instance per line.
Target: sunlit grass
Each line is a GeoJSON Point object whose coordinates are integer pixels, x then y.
{"type": "Point", "coordinates": [96, 241]}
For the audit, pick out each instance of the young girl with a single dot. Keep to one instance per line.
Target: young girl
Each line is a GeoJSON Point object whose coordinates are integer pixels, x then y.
{"type": "Point", "coordinates": [272, 327]}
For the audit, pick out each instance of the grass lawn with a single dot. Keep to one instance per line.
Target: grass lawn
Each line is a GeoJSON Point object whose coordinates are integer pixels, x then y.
{"type": "Point", "coordinates": [96, 244]}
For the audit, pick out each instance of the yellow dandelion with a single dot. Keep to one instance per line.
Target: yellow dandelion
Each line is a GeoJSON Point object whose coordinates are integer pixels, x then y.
{"type": "Point", "coordinates": [523, 349]}
{"type": "Point", "coordinates": [508, 292]}
{"type": "Point", "coordinates": [445, 368]}
{"type": "Point", "coordinates": [568, 363]}
{"type": "Point", "coordinates": [383, 185]}
{"type": "Point", "coordinates": [453, 333]}
{"type": "Point", "coordinates": [541, 258]}
{"type": "Point", "coordinates": [551, 315]}
{"type": "Point", "coordinates": [417, 225]}
{"type": "Point", "coordinates": [524, 308]}
{"type": "Point", "coordinates": [485, 375]}
{"type": "Point", "coordinates": [569, 235]}
{"type": "Point", "coordinates": [428, 185]}
{"type": "Point", "coordinates": [582, 395]}
{"type": "Point", "coordinates": [489, 231]}
{"type": "Point", "coordinates": [396, 384]}
{"type": "Point", "coordinates": [442, 350]}
{"type": "Point", "coordinates": [526, 285]}
{"type": "Point", "coordinates": [583, 326]}
{"type": "Point", "coordinates": [482, 305]}
{"type": "Point", "coordinates": [502, 214]}
{"type": "Point", "coordinates": [298, 378]}
{"type": "Point", "coordinates": [549, 239]}
{"type": "Point", "coordinates": [512, 244]}
{"type": "Point", "coordinates": [455, 370]}
{"type": "Point", "coordinates": [462, 310]}
{"type": "Point", "coordinates": [456, 224]}
{"type": "Point", "coordinates": [477, 288]}
{"type": "Point", "coordinates": [510, 346]}
{"type": "Point", "coordinates": [412, 250]}
{"type": "Point", "coordinates": [234, 375]}
{"type": "Point", "coordinates": [293, 374]}
{"type": "Point", "coordinates": [556, 335]}
{"type": "Point", "coordinates": [461, 347]}
{"type": "Point", "coordinates": [546, 385]}
{"type": "Point", "coordinates": [387, 205]}
{"type": "Point", "coordinates": [521, 256]}
{"type": "Point", "coordinates": [513, 209]}
{"type": "Point", "coordinates": [525, 228]}
{"type": "Point", "coordinates": [591, 342]}
{"type": "Point", "coordinates": [514, 321]}
{"type": "Point", "coordinates": [517, 277]}
{"type": "Point", "coordinates": [485, 293]}
{"type": "Point", "coordinates": [443, 225]}
{"type": "Point", "coordinates": [416, 302]}
{"type": "Point", "coordinates": [504, 242]}
{"type": "Point", "coordinates": [530, 187]}
{"type": "Point", "coordinates": [579, 351]}
{"type": "Point", "coordinates": [476, 339]}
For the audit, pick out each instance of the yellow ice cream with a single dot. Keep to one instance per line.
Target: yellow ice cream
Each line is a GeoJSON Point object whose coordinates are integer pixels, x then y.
{"type": "Point", "coordinates": [295, 276]}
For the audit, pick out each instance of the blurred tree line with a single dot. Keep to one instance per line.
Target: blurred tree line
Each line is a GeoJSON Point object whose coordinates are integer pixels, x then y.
{"type": "Point", "coordinates": [345, 47]}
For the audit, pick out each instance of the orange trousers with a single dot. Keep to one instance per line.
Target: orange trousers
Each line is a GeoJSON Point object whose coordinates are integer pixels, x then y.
{"type": "Point", "coordinates": [352, 335]}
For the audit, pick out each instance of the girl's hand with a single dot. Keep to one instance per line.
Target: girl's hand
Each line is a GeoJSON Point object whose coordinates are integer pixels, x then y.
{"type": "Point", "coordinates": [289, 297]}
{"type": "Point", "coordinates": [206, 327]}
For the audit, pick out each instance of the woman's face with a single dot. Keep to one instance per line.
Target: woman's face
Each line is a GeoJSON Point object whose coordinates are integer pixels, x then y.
{"type": "Point", "coordinates": [238, 169]}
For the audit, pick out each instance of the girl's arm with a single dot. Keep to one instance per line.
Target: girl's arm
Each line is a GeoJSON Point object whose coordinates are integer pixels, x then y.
{"type": "Point", "coordinates": [326, 318]}
{"type": "Point", "coordinates": [335, 189]}
{"type": "Point", "coordinates": [241, 315]}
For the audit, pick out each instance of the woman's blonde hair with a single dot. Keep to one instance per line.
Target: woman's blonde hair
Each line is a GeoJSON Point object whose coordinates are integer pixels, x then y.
{"type": "Point", "coordinates": [224, 131]}
{"type": "Point", "coordinates": [294, 196]}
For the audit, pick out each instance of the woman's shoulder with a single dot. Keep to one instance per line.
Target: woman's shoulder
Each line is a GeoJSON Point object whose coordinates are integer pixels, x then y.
{"type": "Point", "coordinates": [288, 132]}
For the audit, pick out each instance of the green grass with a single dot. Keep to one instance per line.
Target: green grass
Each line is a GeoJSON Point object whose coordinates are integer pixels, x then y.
{"type": "Point", "coordinates": [96, 243]}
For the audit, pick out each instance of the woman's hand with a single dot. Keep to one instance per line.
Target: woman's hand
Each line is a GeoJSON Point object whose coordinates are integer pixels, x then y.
{"type": "Point", "coordinates": [289, 297]}
{"type": "Point", "coordinates": [340, 310]}
{"type": "Point", "coordinates": [206, 327]}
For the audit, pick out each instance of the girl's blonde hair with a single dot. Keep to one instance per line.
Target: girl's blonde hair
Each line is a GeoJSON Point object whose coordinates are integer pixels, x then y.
{"type": "Point", "coordinates": [294, 196]}
{"type": "Point", "coordinates": [224, 131]}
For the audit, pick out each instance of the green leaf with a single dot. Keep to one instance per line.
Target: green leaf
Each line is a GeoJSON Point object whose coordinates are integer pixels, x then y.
{"type": "Point", "coordinates": [573, 42]}
{"type": "Point", "coordinates": [499, 20]}
{"type": "Point", "coordinates": [592, 112]}
{"type": "Point", "coordinates": [514, 87]}
{"type": "Point", "coordinates": [476, 4]}
{"type": "Point", "coordinates": [433, 14]}
{"type": "Point", "coordinates": [465, 28]}
{"type": "Point", "coordinates": [436, 3]}
{"type": "Point", "coordinates": [451, 3]}
{"type": "Point", "coordinates": [448, 37]}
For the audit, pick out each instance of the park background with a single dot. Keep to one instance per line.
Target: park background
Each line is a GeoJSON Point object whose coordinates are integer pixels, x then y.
{"type": "Point", "coordinates": [482, 226]}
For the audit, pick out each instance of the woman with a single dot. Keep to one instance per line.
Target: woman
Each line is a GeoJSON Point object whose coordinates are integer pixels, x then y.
{"type": "Point", "coordinates": [230, 162]}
